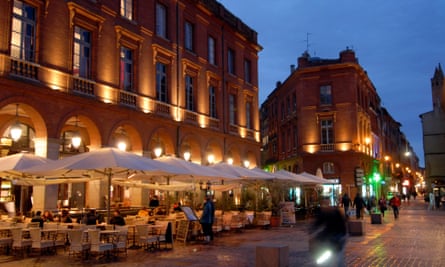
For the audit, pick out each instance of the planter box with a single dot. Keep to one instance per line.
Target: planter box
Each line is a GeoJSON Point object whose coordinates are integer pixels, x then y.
{"type": "Point", "coordinates": [376, 218]}
{"type": "Point", "coordinates": [356, 227]}
{"type": "Point", "coordinates": [272, 255]}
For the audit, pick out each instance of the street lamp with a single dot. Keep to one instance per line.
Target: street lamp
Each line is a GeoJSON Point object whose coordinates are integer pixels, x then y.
{"type": "Point", "coordinates": [187, 154]}
{"type": "Point", "coordinates": [16, 129]}
{"type": "Point", "coordinates": [158, 149]}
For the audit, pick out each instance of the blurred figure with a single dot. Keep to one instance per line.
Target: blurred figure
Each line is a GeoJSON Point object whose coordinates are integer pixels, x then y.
{"type": "Point", "coordinates": [207, 218]}
{"type": "Point", "coordinates": [117, 218]}
{"type": "Point", "coordinates": [395, 204]}
{"type": "Point", "coordinates": [346, 202]}
{"type": "Point", "coordinates": [143, 212]}
{"type": "Point", "coordinates": [328, 237]}
{"type": "Point", "coordinates": [48, 216]}
{"type": "Point", "coordinates": [382, 205]}
{"type": "Point", "coordinates": [38, 218]}
{"type": "Point", "coordinates": [91, 218]}
{"type": "Point", "coordinates": [66, 218]}
{"type": "Point", "coordinates": [359, 204]}
{"type": "Point", "coordinates": [432, 204]}
{"type": "Point", "coordinates": [177, 206]}
{"type": "Point", "coordinates": [154, 202]}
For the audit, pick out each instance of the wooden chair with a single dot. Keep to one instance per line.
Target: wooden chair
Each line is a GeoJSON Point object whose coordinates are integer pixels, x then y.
{"type": "Point", "coordinates": [39, 243]}
{"type": "Point", "coordinates": [18, 242]}
{"type": "Point", "coordinates": [79, 244]}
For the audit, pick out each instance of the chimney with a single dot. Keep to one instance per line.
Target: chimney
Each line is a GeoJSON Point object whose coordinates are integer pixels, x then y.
{"type": "Point", "coordinates": [292, 68]}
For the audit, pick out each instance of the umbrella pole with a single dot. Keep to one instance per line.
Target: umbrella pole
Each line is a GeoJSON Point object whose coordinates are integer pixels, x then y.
{"type": "Point", "coordinates": [109, 196]}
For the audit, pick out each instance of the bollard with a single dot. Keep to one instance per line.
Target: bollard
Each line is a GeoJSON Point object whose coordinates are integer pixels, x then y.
{"type": "Point", "coordinates": [272, 256]}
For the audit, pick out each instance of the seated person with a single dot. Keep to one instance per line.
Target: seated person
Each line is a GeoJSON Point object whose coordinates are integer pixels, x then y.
{"type": "Point", "coordinates": [117, 219]}
{"type": "Point", "coordinates": [38, 218]}
{"type": "Point", "coordinates": [48, 216]}
{"type": "Point", "coordinates": [91, 218]}
{"type": "Point", "coordinates": [143, 212]}
{"type": "Point", "coordinates": [66, 218]}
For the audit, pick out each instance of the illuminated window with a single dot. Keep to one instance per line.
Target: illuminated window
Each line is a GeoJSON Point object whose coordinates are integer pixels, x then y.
{"type": "Point", "coordinates": [189, 93]}
{"type": "Point", "coordinates": [212, 101]}
{"type": "Point", "coordinates": [23, 33]}
{"type": "Point", "coordinates": [161, 20]}
{"type": "Point", "coordinates": [126, 71]}
{"type": "Point", "coordinates": [327, 131]}
{"type": "Point", "coordinates": [161, 82]}
{"type": "Point", "coordinates": [82, 53]}
{"type": "Point", "coordinates": [325, 95]}
{"type": "Point", "coordinates": [188, 36]}
{"type": "Point", "coordinates": [127, 9]}
{"type": "Point", "coordinates": [211, 50]}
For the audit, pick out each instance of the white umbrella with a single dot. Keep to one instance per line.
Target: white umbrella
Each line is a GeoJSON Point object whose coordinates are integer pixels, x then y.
{"type": "Point", "coordinates": [12, 166]}
{"type": "Point", "coordinates": [293, 177]}
{"type": "Point", "coordinates": [241, 172]}
{"type": "Point", "coordinates": [107, 161]}
{"type": "Point", "coordinates": [197, 171]}
{"type": "Point", "coordinates": [317, 179]}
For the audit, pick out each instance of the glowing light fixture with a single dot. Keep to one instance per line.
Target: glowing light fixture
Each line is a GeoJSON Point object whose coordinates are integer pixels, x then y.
{"type": "Point", "coordinates": [16, 129]}
{"type": "Point", "coordinates": [158, 149]}
{"type": "Point", "coordinates": [187, 153]}
{"type": "Point", "coordinates": [76, 139]}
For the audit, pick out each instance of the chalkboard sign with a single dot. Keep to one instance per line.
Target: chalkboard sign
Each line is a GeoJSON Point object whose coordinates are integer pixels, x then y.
{"type": "Point", "coordinates": [182, 231]}
{"type": "Point", "coordinates": [190, 214]}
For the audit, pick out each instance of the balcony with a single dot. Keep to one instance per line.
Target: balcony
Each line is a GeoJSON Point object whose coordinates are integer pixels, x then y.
{"type": "Point", "coordinates": [24, 69]}
{"type": "Point", "coordinates": [327, 147]}
{"type": "Point", "coordinates": [127, 99]}
{"type": "Point", "coordinates": [83, 87]}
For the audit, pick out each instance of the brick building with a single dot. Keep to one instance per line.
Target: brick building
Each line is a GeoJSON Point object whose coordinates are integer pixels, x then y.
{"type": "Point", "coordinates": [181, 76]}
{"type": "Point", "coordinates": [327, 115]}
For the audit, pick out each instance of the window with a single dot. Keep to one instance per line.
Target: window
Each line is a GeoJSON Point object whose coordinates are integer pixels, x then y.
{"type": "Point", "coordinates": [127, 9]}
{"type": "Point", "coordinates": [247, 71]}
{"type": "Point", "coordinates": [126, 71]}
{"type": "Point", "coordinates": [294, 102]}
{"type": "Point", "coordinates": [212, 102]}
{"type": "Point", "coordinates": [161, 82]}
{"type": "Point", "coordinates": [188, 36]}
{"type": "Point", "coordinates": [189, 97]}
{"type": "Point", "coordinates": [232, 109]}
{"type": "Point", "coordinates": [328, 167]}
{"type": "Point", "coordinates": [211, 50]}
{"type": "Point", "coordinates": [249, 115]}
{"type": "Point", "coordinates": [82, 53]}
{"type": "Point", "coordinates": [295, 136]}
{"type": "Point", "coordinates": [231, 61]}
{"type": "Point", "coordinates": [23, 31]}
{"type": "Point", "coordinates": [161, 21]}
{"type": "Point", "coordinates": [327, 132]}
{"type": "Point", "coordinates": [325, 95]}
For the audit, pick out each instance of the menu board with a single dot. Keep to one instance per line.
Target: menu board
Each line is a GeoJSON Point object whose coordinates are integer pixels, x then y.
{"type": "Point", "coordinates": [287, 213]}
{"type": "Point", "coordinates": [189, 214]}
{"type": "Point", "coordinates": [182, 231]}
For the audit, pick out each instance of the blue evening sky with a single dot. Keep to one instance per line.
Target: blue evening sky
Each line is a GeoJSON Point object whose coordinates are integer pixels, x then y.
{"type": "Point", "coordinates": [399, 43]}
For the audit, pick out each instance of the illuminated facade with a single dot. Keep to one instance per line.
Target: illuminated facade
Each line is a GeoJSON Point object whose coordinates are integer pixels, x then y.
{"type": "Point", "coordinates": [181, 76]}
{"type": "Point", "coordinates": [327, 115]}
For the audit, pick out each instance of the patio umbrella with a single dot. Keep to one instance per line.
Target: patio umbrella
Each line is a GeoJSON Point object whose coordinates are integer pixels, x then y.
{"type": "Point", "coordinates": [197, 171]}
{"type": "Point", "coordinates": [106, 161]}
{"type": "Point", "coordinates": [293, 177]}
{"type": "Point", "coordinates": [241, 172]}
{"type": "Point", "coordinates": [317, 179]}
{"type": "Point", "coordinates": [12, 166]}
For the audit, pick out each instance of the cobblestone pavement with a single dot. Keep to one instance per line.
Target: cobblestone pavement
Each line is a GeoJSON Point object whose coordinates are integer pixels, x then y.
{"type": "Point", "coordinates": [415, 239]}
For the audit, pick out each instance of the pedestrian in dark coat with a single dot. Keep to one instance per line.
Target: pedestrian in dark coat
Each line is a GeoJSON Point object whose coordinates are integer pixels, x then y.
{"type": "Point", "coordinates": [207, 218]}
{"type": "Point", "coordinates": [359, 204]}
{"type": "Point", "coordinates": [346, 202]}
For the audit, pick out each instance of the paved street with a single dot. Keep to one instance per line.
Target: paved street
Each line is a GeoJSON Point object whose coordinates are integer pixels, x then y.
{"type": "Point", "coordinates": [415, 239]}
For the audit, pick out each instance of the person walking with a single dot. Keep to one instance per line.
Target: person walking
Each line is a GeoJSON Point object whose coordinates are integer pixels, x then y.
{"type": "Point", "coordinates": [432, 204]}
{"type": "Point", "coordinates": [359, 204]}
{"type": "Point", "coordinates": [346, 202]}
{"type": "Point", "coordinates": [207, 218]}
{"type": "Point", "coordinates": [395, 204]}
{"type": "Point", "coordinates": [382, 205]}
